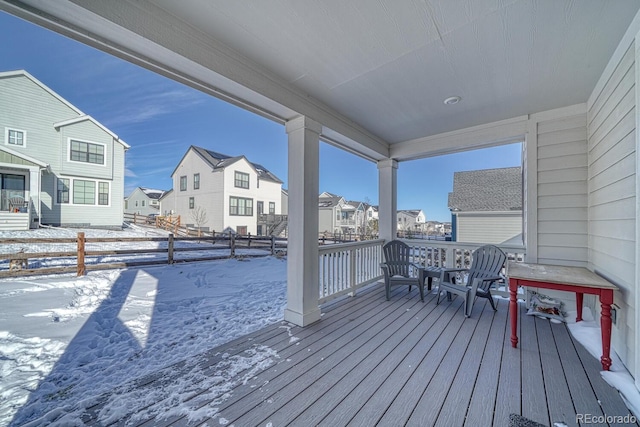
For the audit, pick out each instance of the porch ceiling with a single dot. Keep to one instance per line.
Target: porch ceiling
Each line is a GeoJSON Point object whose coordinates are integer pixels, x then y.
{"type": "Point", "coordinates": [374, 73]}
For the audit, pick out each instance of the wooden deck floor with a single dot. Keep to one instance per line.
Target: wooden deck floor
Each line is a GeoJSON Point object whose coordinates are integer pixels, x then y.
{"type": "Point", "coordinates": [403, 362]}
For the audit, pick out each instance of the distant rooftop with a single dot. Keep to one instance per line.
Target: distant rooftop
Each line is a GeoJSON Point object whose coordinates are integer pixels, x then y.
{"type": "Point", "coordinates": [487, 190]}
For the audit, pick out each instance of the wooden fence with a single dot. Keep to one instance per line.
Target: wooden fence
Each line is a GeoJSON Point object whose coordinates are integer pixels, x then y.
{"type": "Point", "coordinates": [83, 249]}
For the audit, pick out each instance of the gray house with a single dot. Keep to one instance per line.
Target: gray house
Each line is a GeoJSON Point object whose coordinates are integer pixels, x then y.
{"type": "Point", "coordinates": [143, 201]}
{"type": "Point", "coordinates": [486, 205]}
{"type": "Point", "coordinates": [58, 166]}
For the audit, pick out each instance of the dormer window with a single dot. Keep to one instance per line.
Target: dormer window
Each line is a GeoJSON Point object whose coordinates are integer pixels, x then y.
{"type": "Point", "coordinates": [241, 180]}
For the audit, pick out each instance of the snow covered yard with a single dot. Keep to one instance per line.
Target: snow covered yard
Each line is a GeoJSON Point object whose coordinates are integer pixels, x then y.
{"type": "Point", "coordinates": [64, 340]}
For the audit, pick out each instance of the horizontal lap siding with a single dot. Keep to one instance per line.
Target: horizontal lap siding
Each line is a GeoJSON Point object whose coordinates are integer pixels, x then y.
{"type": "Point", "coordinates": [562, 191]}
{"type": "Point", "coordinates": [612, 189]}
{"type": "Point", "coordinates": [488, 229]}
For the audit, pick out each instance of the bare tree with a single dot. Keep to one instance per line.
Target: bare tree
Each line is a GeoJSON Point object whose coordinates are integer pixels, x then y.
{"type": "Point", "coordinates": [199, 216]}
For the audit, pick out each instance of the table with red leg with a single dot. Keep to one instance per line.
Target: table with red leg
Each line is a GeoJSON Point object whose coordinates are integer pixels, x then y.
{"type": "Point", "coordinates": [577, 280]}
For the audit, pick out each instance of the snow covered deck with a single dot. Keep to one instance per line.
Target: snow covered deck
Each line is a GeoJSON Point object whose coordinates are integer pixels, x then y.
{"type": "Point", "coordinates": [375, 362]}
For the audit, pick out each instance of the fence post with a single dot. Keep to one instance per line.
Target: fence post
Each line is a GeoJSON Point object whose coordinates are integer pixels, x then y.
{"type": "Point", "coordinates": [170, 249]}
{"type": "Point", "coordinates": [248, 240]}
{"type": "Point", "coordinates": [273, 245]}
{"type": "Point", "coordinates": [80, 258]}
{"type": "Point", "coordinates": [232, 244]}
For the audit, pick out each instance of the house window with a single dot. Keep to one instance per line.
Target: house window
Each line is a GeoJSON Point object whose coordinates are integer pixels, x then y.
{"type": "Point", "coordinates": [196, 181]}
{"type": "Point", "coordinates": [192, 202]}
{"type": "Point", "coordinates": [136, 203]}
{"type": "Point", "coordinates": [239, 206]}
{"type": "Point", "coordinates": [143, 203]}
{"type": "Point", "coordinates": [338, 215]}
{"type": "Point", "coordinates": [16, 137]}
{"type": "Point", "coordinates": [183, 183]}
{"type": "Point", "coordinates": [63, 190]}
{"type": "Point", "coordinates": [84, 192]}
{"type": "Point", "coordinates": [260, 207]}
{"type": "Point", "coordinates": [103, 193]}
{"type": "Point", "coordinates": [87, 152]}
{"type": "Point", "coordinates": [241, 180]}
{"type": "Point", "coordinates": [272, 208]}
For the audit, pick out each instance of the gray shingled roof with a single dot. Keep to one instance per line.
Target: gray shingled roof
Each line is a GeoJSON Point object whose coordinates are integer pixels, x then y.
{"type": "Point", "coordinates": [410, 212]}
{"type": "Point", "coordinates": [218, 161]}
{"type": "Point", "coordinates": [487, 190]}
{"type": "Point", "coordinates": [328, 202]}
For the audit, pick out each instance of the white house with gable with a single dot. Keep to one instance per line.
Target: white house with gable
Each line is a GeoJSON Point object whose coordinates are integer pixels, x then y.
{"type": "Point", "coordinates": [231, 192]}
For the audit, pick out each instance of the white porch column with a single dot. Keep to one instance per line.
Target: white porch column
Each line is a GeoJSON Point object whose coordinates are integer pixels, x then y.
{"type": "Point", "coordinates": [34, 195]}
{"type": "Point", "coordinates": [387, 199]}
{"type": "Point", "coordinates": [302, 252]}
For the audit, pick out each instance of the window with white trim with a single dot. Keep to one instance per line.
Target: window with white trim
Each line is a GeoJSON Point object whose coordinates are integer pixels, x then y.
{"type": "Point", "coordinates": [183, 183]}
{"type": "Point", "coordinates": [239, 206]}
{"type": "Point", "coordinates": [272, 208]}
{"type": "Point", "coordinates": [86, 152]}
{"type": "Point", "coordinates": [241, 179]}
{"type": "Point", "coordinates": [63, 190]}
{"type": "Point", "coordinates": [103, 193]}
{"type": "Point", "coordinates": [84, 192]}
{"type": "Point", "coordinates": [15, 137]}
{"type": "Point", "coordinates": [77, 191]}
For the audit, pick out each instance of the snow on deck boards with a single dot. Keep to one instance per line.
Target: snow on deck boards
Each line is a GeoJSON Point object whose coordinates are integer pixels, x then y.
{"type": "Point", "coordinates": [400, 362]}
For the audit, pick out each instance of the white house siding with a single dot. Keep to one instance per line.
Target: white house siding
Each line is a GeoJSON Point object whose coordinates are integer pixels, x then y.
{"type": "Point", "coordinates": [266, 192]}
{"type": "Point", "coordinates": [562, 187]}
{"type": "Point", "coordinates": [209, 196]}
{"type": "Point", "coordinates": [216, 187]}
{"type": "Point", "coordinates": [495, 227]}
{"type": "Point", "coordinates": [326, 220]}
{"type": "Point", "coordinates": [612, 194]}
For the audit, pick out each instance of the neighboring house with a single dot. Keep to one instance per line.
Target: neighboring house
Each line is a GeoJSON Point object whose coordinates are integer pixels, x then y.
{"type": "Point", "coordinates": [58, 166]}
{"type": "Point", "coordinates": [437, 228]}
{"type": "Point", "coordinates": [336, 215]}
{"type": "Point", "coordinates": [412, 220]}
{"type": "Point", "coordinates": [230, 191]}
{"type": "Point", "coordinates": [330, 212]}
{"type": "Point", "coordinates": [486, 206]}
{"type": "Point", "coordinates": [143, 201]}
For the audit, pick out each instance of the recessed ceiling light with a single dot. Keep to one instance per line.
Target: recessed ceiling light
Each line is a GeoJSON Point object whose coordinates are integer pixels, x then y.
{"type": "Point", "coordinates": [452, 100]}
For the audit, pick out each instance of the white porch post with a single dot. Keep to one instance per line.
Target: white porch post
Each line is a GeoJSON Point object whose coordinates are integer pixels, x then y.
{"type": "Point", "coordinates": [387, 199]}
{"type": "Point", "coordinates": [302, 252]}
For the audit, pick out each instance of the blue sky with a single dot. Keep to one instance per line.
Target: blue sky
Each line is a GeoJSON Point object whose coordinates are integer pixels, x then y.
{"type": "Point", "coordinates": [160, 119]}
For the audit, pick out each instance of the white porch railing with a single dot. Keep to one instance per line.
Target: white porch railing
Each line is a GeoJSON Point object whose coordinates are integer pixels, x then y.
{"type": "Point", "coordinates": [345, 267]}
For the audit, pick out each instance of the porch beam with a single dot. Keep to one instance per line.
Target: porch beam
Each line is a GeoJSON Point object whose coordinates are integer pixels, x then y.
{"type": "Point", "coordinates": [302, 259]}
{"type": "Point", "coordinates": [482, 136]}
{"type": "Point", "coordinates": [387, 199]}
